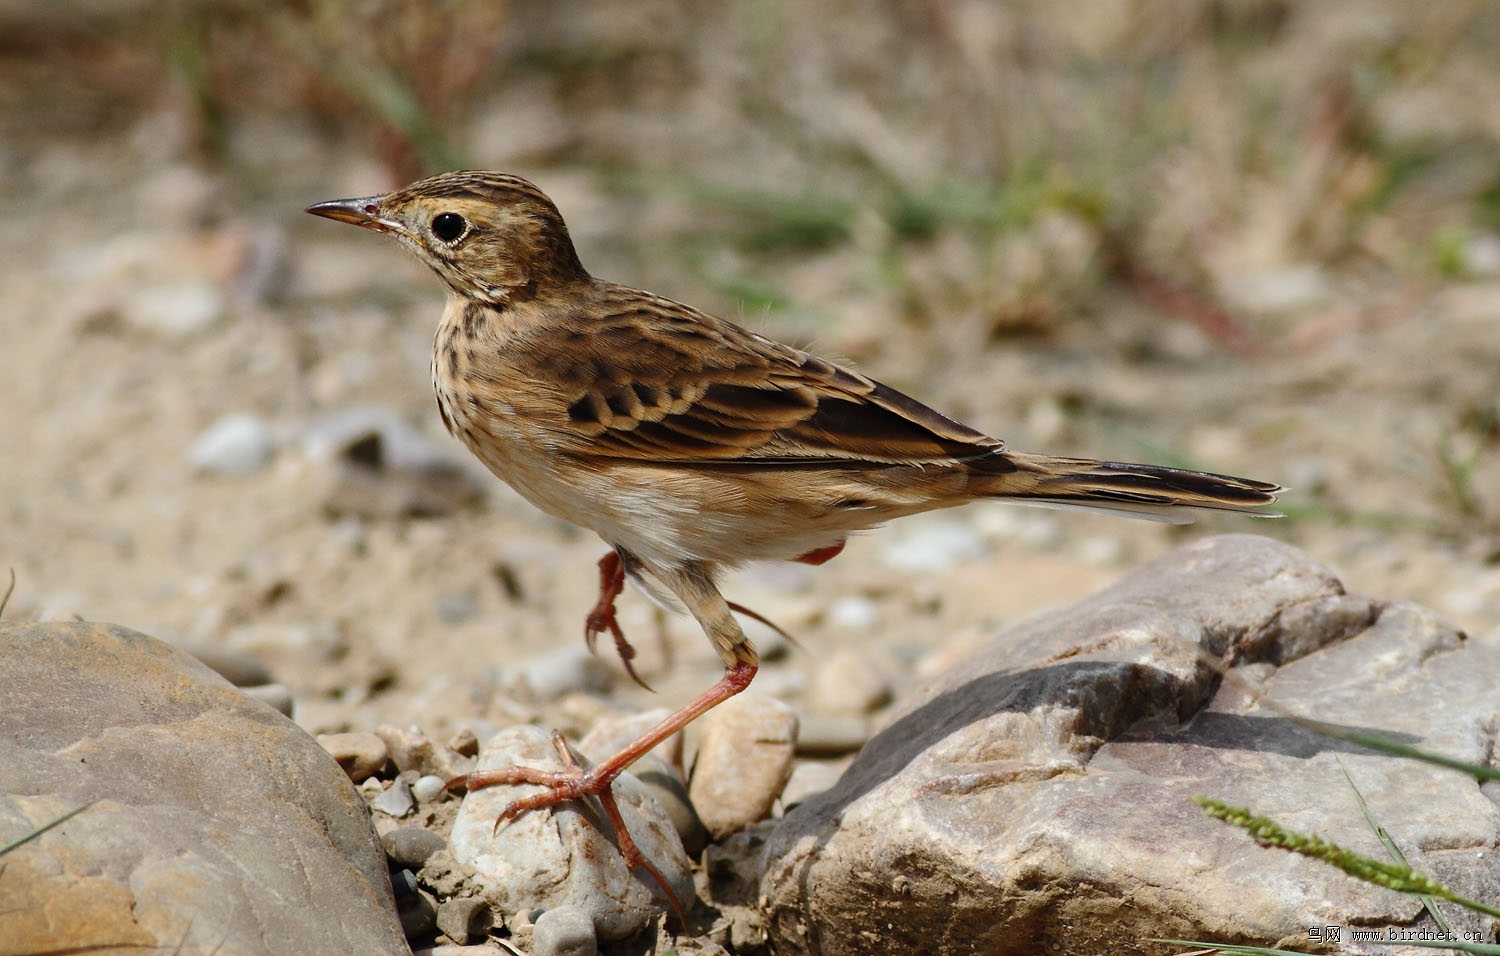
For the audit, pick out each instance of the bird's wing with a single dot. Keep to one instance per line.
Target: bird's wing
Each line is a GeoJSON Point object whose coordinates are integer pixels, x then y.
{"type": "Point", "coordinates": [650, 380]}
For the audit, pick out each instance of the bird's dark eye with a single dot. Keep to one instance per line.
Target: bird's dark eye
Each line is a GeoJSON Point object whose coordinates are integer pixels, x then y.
{"type": "Point", "coordinates": [448, 226]}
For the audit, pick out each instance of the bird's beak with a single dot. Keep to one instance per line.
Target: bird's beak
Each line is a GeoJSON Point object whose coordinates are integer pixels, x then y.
{"type": "Point", "coordinates": [358, 212]}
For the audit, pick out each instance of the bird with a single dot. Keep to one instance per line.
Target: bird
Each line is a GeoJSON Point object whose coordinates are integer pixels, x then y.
{"type": "Point", "coordinates": [689, 444]}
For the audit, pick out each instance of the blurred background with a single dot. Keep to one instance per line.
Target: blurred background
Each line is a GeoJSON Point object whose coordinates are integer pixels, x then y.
{"type": "Point", "coordinates": [1251, 236]}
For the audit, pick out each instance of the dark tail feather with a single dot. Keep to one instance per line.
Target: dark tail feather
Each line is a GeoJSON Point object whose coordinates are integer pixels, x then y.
{"type": "Point", "coordinates": [1153, 492]}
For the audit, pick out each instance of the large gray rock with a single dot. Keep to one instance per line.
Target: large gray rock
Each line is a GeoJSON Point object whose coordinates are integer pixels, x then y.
{"type": "Point", "coordinates": [216, 824]}
{"type": "Point", "coordinates": [1036, 797]}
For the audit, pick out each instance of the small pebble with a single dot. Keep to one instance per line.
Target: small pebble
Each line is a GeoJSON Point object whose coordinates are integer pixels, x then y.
{"type": "Point", "coordinates": [1307, 474]}
{"type": "Point", "coordinates": [380, 438]}
{"type": "Point", "coordinates": [174, 309]}
{"type": "Point", "coordinates": [404, 884]}
{"type": "Point", "coordinates": [375, 464]}
{"type": "Point", "coordinates": [395, 800]}
{"type": "Point", "coordinates": [276, 696]}
{"type": "Point", "coordinates": [455, 607]}
{"type": "Point", "coordinates": [465, 743]}
{"type": "Point", "coordinates": [415, 751]}
{"type": "Point", "coordinates": [465, 920]}
{"type": "Point", "coordinates": [234, 445]}
{"type": "Point", "coordinates": [1287, 289]}
{"type": "Point", "coordinates": [1101, 550]}
{"type": "Point", "coordinates": [747, 931]}
{"type": "Point", "coordinates": [348, 489]}
{"type": "Point", "coordinates": [564, 931]}
{"type": "Point", "coordinates": [783, 683]}
{"type": "Point", "coordinates": [819, 735]}
{"type": "Point", "coordinates": [362, 755]}
{"type": "Point", "coordinates": [931, 544]}
{"type": "Point", "coordinates": [567, 670]}
{"type": "Point", "coordinates": [1481, 255]}
{"type": "Point", "coordinates": [411, 847]}
{"type": "Point", "coordinates": [745, 752]}
{"type": "Point", "coordinates": [848, 682]}
{"type": "Point", "coordinates": [855, 613]}
{"type": "Point", "coordinates": [418, 915]}
{"type": "Point", "coordinates": [428, 787]}
{"type": "Point", "coordinates": [334, 434]}
{"type": "Point", "coordinates": [237, 667]}
{"type": "Point", "coordinates": [809, 778]}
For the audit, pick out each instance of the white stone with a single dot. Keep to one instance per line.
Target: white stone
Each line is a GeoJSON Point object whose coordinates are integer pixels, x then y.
{"type": "Point", "coordinates": [567, 670]}
{"type": "Point", "coordinates": [175, 309]}
{"type": "Point", "coordinates": [564, 931]}
{"type": "Point", "coordinates": [428, 787]}
{"type": "Point", "coordinates": [848, 682]}
{"type": "Point", "coordinates": [565, 855]}
{"type": "Point", "coordinates": [931, 543]}
{"type": "Point", "coordinates": [809, 778]}
{"type": "Point", "coordinates": [1278, 290]}
{"type": "Point", "coordinates": [857, 613]}
{"type": "Point", "coordinates": [238, 444]}
{"type": "Point", "coordinates": [1481, 255]}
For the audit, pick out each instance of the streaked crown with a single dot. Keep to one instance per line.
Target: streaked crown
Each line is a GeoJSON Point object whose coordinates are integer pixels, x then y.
{"type": "Point", "coordinates": [488, 235]}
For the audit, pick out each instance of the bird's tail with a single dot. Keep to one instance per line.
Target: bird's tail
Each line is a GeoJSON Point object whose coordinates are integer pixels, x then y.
{"type": "Point", "coordinates": [1154, 492]}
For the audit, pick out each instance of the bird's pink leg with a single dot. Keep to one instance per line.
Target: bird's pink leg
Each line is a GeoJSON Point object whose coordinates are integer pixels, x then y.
{"type": "Point", "coordinates": [612, 584]}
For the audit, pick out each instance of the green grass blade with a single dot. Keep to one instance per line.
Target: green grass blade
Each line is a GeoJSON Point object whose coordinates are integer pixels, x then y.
{"type": "Point", "coordinates": [1231, 949]}
{"type": "Point", "coordinates": [44, 828]}
{"type": "Point", "coordinates": [1390, 847]}
{"type": "Point", "coordinates": [1385, 745]}
{"type": "Point", "coordinates": [1392, 876]}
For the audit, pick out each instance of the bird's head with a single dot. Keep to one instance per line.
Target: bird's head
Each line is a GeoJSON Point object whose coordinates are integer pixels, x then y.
{"type": "Point", "coordinates": [490, 236]}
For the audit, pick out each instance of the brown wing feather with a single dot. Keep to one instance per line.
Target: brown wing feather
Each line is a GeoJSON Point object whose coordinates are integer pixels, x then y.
{"type": "Point", "coordinates": [685, 387]}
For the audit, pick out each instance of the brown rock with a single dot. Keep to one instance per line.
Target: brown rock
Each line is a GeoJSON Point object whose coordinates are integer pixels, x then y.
{"type": "Point", "coordinates": [213, 822]}
{"type": "Point", "coordinates": [415, 751]}
{"type": "Point", "coordinates": [745, 753]}
{"type": "Point", "coordinates": [360, 754]}
{"type": "Point", "coordinates": [1035, 786]}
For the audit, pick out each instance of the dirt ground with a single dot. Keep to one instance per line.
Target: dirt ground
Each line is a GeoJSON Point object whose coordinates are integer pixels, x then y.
{"type": "Point", "coordinates": [149, 291]}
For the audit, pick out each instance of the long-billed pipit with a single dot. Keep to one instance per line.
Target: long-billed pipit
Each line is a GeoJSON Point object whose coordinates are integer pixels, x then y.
{"type": "Point", "coordinates": [687, 443]}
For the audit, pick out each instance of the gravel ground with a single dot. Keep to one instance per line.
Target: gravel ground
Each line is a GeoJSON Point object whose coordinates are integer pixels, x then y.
{"type": "Point", "coordinates": [182, 350]}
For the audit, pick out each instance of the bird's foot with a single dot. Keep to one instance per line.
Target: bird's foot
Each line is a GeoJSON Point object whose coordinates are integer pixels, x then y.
{"type": "Point", "coordinates": [573, 782]}
{"type": "Point", "coordinates": [602, 617]}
